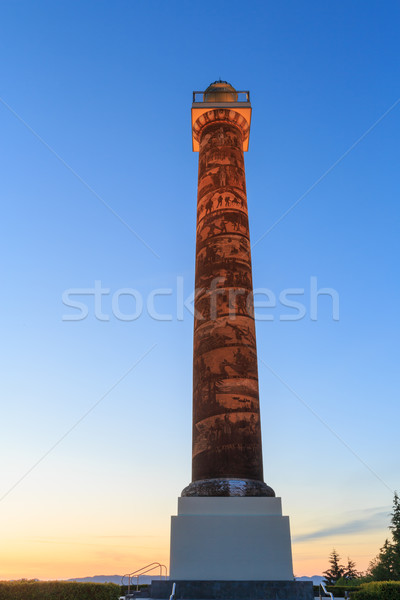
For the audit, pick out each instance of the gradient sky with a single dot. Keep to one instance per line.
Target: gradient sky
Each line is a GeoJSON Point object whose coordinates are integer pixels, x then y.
{"type": "Point", "coordinates": [95, 157]}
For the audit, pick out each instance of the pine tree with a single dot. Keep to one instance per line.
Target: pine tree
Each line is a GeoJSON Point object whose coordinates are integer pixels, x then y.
{"type": "Point", "coordinates": [386, 566]}
{"type": "Point", "coordinates": [395, 521]}
{"type": "Point", "coordinates": [350, 572]}
{"type": "Point", "coordinates": [395, 529]}
{"type": "Point", "coordinates": [381, 567]}
{"type": "Point", "coordinates": [336, 571]}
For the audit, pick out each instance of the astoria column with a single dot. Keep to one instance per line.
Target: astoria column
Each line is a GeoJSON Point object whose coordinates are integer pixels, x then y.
{"type": "Point", "coordinates": [229, 538]}
{"type": "Point", "coordinates": [227, 453]}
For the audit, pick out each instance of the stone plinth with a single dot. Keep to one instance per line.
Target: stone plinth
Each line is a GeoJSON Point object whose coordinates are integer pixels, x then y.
{"type": "Point", "coordinates": [230, 539]}
{"type": "Point", "coordinates": [234, 590]}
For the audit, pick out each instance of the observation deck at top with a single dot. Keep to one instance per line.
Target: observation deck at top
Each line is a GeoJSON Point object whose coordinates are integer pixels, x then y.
{"type": "Point", "coordinates": [220, 95]}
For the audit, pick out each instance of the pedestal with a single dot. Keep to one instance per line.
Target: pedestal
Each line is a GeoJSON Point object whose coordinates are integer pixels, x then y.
{"type": "Point", "coordinates": [233, 590]}
{"type": "Point", "coordinates": [230, 539]}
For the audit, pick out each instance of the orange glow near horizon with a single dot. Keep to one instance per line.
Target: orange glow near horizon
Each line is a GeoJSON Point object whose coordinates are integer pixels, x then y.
{"type": "Point", "coordinates": [68, 558]}
{"type": "Point", "coordinates": [87, 556]}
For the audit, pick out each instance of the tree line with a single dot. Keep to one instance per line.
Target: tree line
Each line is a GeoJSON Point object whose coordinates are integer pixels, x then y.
{"type": "Point", "coordinates": [384, 567]}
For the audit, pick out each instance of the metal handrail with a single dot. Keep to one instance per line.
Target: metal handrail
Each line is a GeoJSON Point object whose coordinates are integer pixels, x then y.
{"type": "Point", "coordinates": [172, 596]}
{"type": "Point", "coordinates": [321, 585]}
{"type": "Point", "coordinates": [143, 571]}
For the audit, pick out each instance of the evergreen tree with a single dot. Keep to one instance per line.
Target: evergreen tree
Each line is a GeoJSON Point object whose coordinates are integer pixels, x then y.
{"type": "Point", "coordinates": [386, 566]}
{"type": "Point", "coordinates": [350, 572]}
{"type": "Point", "coordinates": [336, 571]}
{"type": "Point", "coordinates": [395, 521]}
{"type": "Point", "coordinates": [381, 567]}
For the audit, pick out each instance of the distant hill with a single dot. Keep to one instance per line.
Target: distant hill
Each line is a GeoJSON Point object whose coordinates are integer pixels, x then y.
{"type": "Point", "coordinates": [113, 579]}
{"type": "Point", "coordinates": [316, 579]}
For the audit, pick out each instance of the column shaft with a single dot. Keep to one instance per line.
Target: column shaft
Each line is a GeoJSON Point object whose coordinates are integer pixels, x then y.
{"type": "Point", "coordinates": [227, 453]}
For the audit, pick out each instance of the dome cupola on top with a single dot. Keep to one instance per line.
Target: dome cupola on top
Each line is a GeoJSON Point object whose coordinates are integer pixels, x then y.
{"type": "Point", "coordinates": [220, 91]}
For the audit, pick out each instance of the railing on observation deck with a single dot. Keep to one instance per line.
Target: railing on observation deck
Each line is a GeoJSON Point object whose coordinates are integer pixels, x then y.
{"type": "Point", "coordinates": [321, 585]}
{"type": "Point", "coordinates": [146, 569]}
{"type": "Point", "coordinates": [242, 96]}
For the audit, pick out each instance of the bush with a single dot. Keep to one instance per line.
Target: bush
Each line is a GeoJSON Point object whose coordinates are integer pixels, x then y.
{"type": "Point", "coordinates": [57, 590]}
{"type": "Point", "coordinates": [142, 587]}
{"type": "Point", "coordinates": [378, 590]}
{"type": "Point", "coordinates": [337, 590]}
{"type": "Point", "coordinates": [351, 583]}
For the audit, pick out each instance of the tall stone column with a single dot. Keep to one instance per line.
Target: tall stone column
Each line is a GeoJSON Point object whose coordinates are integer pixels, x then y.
{"type": "Point", "coordinates": [229, 538]}
{"type": "Point", "coordinates": [227, 453]}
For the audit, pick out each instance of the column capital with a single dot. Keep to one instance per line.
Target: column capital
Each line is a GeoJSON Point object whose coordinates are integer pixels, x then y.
{"type": "Point", "coordinates": [222, 115]}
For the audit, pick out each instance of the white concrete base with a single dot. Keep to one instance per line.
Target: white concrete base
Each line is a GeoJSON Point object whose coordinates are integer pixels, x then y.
{"type": "Point", "coordinates": [230, 539]}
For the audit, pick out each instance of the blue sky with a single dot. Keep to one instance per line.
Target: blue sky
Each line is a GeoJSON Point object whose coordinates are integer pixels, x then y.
{"type": "Point", "coordinates": [107, 88]}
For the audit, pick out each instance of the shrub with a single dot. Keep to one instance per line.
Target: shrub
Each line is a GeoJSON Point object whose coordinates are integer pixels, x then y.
{"type": "Point", "coordinates": [378, 590]}
{"type": "Point", "coordinates": [337, 590]}
{"type": "Point", "coordinates": [57, 590]}
{"type": "Point", "coordinates": [142, 587]}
